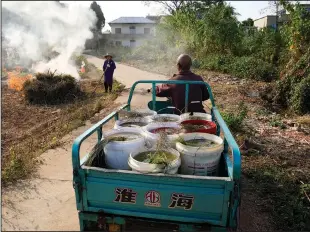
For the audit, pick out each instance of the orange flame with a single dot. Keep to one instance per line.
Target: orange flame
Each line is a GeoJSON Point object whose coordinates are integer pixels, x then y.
{"type": "Point", "coordinates": [16, 79]}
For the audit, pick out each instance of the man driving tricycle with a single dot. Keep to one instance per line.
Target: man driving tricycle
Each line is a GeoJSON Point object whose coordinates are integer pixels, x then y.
{"type": "Point", "coordinates": [176, 93]}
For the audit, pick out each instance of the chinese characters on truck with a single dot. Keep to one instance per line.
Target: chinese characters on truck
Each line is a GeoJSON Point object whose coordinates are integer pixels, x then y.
{"type": "Point", "coordinates": [152, 198]}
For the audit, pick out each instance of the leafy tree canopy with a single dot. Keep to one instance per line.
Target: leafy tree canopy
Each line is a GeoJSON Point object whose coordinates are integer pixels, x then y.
{"type": "Point", "coordinates": [100, 17]}
{"type": "Point", "coordinates": [249, 22]}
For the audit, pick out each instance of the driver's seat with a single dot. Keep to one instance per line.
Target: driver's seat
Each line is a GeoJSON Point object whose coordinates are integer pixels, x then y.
{"type": "Point", "coordinates": [160, 106]}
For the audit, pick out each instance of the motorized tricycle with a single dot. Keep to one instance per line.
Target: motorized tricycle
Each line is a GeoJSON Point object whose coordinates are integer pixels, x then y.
{"type": "Point", "coordinates": [115, 200]}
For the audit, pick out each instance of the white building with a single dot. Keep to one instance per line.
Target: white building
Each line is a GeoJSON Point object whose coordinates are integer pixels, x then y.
{"type": "Point", "coordinates": [130, 31]}
{"type": "Point", "coordinates": [272, 20]}
{"type": "Point", "coordinates": [266, 21]}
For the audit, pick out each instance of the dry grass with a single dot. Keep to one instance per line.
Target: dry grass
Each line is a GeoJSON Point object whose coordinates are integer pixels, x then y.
{"type": "Point", "coordinates": [29, 130]}
{"type": "Point", "coordinates": [304, 120]}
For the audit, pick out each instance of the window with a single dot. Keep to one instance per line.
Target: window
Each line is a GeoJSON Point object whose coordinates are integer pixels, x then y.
{"type": "Point", "coordinates": [147, 31]}
{"type": "Point", "coordinates": [118, 43]}
{"type": "Point", "coordinates": [132, 29]}
{"type": "Point", "coordinates": [118, 30]}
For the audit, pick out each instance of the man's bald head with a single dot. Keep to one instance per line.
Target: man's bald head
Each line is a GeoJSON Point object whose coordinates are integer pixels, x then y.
{"type": "Point", "coordinates": [184, 62]}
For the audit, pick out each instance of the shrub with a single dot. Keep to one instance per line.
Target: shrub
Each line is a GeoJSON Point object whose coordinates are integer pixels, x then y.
{"type": "Point", "coordinates": [300, 101]}
{"type": "Point", "coordinates": [283, 91]}
{"type": "Point", "coordinates": [49, 88]}
{"type": "Point", "coordinates": [218, 63]}
{"type": "Point", "coordinates": [263, 44]}
{"type": "Point", "coordinates": [242, 67]}
{"type": "Point", "coordinates": [289, 86]}
{"type": "Point", "coordinates": [252, 68]}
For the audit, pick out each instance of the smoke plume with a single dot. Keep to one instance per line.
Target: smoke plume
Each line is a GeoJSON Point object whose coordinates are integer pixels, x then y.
{"type": "Point", "coordinates": [44, 35]}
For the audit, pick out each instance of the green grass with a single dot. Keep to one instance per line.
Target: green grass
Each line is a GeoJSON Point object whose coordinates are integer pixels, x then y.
{"type": "Point", "coordinates": [276, 122]}
{"type": "Point", "coordinates": [234, 120]}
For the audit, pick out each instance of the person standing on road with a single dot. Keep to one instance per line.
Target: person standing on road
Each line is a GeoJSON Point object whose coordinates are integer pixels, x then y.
{"type": "Point", "coordinates": [197, 93]}
{"type": "Point", "coordinates": [108, 69]}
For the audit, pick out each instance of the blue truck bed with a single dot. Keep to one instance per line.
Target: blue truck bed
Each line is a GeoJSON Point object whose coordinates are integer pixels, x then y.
{"type": "Point", "coordinates": [106, 197]}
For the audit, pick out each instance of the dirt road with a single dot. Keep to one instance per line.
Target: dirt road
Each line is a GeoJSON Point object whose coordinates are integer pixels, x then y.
{"type": "Point", "coordinates": [47, 201]}
{"type": "Point", "coordinates": [126, 74]}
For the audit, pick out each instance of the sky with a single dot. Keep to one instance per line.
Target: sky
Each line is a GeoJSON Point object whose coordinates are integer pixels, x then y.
{"type": "Point", "coordinates": [115, 9]}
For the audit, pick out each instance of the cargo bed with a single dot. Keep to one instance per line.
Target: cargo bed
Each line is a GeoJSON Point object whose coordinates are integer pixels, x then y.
{"type": "Point", "coordinates": [110, 199]}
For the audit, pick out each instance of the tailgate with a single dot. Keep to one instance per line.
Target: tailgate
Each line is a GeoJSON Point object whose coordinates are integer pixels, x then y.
{"type": "Point", "coordinates": [166, 197]}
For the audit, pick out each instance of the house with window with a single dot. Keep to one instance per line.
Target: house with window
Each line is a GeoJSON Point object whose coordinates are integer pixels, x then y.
{"type": "Point", "coordinates": [130, 31]}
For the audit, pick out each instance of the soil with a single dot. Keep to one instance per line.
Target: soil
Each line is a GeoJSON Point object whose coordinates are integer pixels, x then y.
{"type": "Point", "coordinates": [199, 143]}
{"type": "Point", "coordinates": [164, 119]}
{"type": "Point", "coordinates": [167, 130]}
{"type": "Point", "coordinates": [123, 137]}
{"type": "Point", "coordinates": [134, 124]}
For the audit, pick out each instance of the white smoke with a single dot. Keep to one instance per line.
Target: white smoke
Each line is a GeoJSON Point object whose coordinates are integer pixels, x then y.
{"type": "Point", "coordinates": [33, 30]}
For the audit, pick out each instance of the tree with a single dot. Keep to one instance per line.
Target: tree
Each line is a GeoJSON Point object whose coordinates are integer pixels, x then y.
{"type": "Point", "coordinates": [220, 32]}
{"type": "Point", "coordinates": [100, 17]}
{"type": "Point", "coordinates": [248, 23]}
{"type": "Point", "coordinates": [97, 31]}
{"type": "Point", "coordinates": [216, 32]}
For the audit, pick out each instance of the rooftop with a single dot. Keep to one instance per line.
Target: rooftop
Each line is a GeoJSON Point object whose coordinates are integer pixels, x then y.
{"type": "Point", "coordinates": [264, 17]}
{"type": "Point", "coordinates": [132, 20]}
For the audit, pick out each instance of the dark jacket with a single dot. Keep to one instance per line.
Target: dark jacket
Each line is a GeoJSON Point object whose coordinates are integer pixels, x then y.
{"type": "Point", "coordinates": [177, 92]}
{"type": "Point", "coordinates": [108, 71]}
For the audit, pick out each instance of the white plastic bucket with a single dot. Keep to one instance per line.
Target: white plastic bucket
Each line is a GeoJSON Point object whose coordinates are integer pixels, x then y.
{"type": "Point", "coordinates": [117, 152]}
{"type": "Point", "coordinates": [200, 161]}
{"type": "Point", "coordinates": [153, 138]}
{"type": "Point", "coordinates": [172, 118]}
{"type": "Point", "coordinates": [142, 167]}
{"type": "Point", "coordinates": [119, 123]}
{"type": "Point", "coordinates": [203, 116]}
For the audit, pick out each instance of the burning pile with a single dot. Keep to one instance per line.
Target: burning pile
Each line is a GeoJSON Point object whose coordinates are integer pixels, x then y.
{"type": "Point", "coordinates": [51, 88]}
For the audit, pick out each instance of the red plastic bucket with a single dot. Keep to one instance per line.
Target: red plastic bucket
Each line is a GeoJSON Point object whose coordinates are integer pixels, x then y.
{"type": "Point", "coordinates": [208, 126]}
